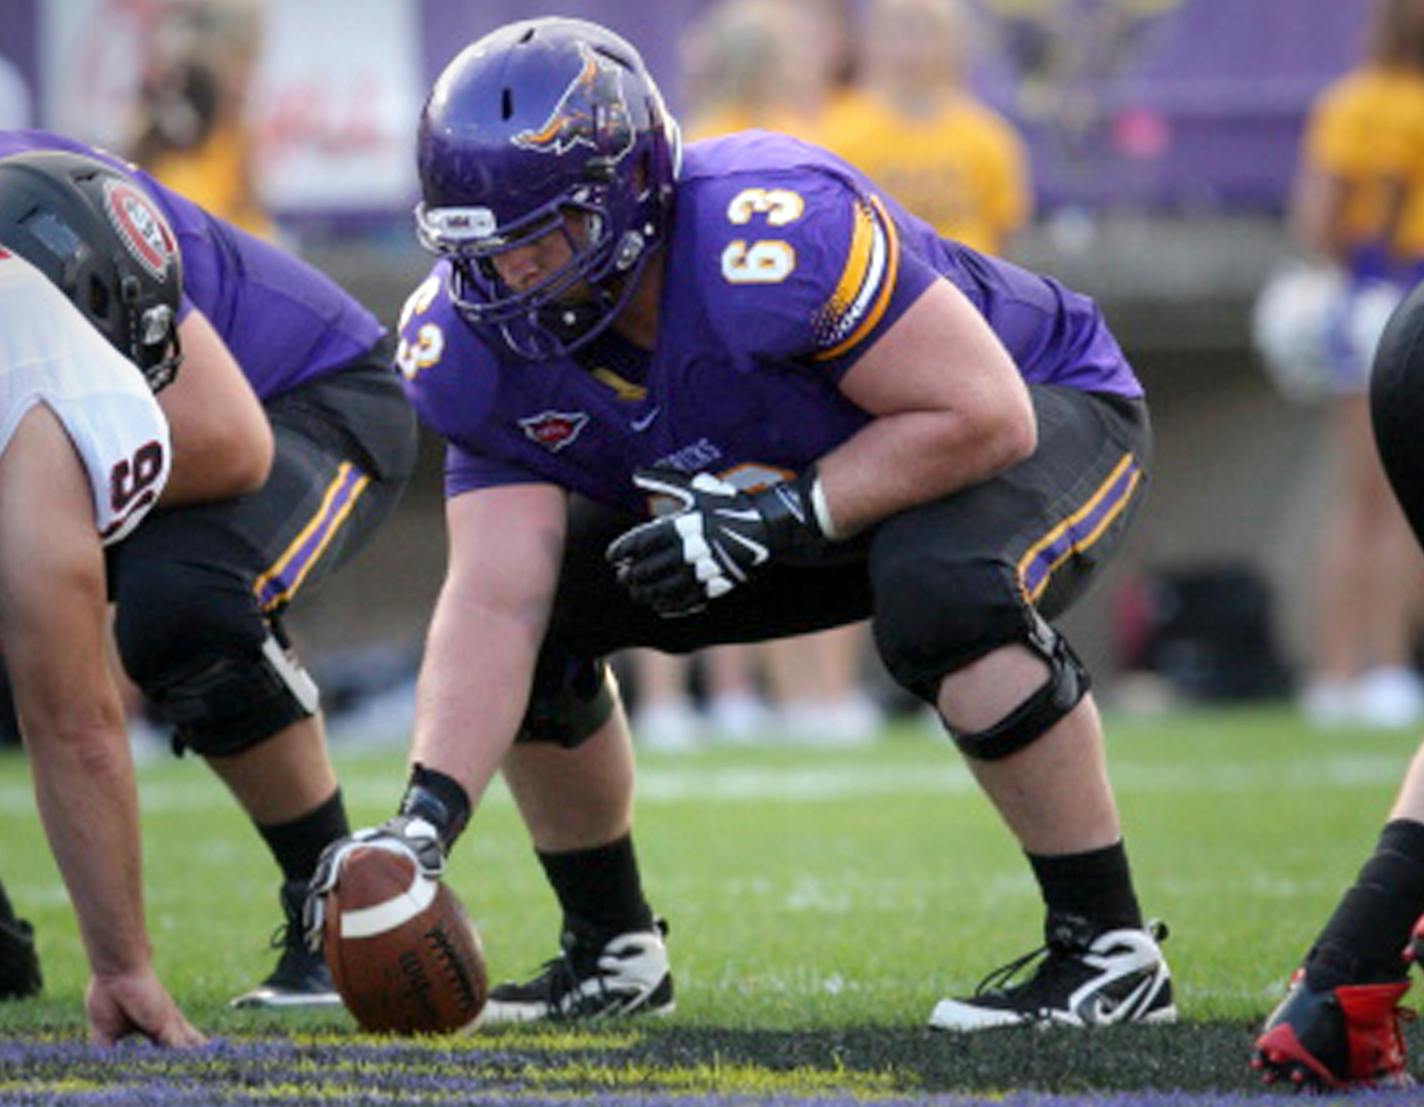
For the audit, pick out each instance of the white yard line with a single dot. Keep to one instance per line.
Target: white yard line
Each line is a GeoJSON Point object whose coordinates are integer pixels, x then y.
{"type": "Point", "coordinates": [811, 783]}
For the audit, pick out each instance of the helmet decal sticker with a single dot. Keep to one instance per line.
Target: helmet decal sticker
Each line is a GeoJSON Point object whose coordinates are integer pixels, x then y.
{"type": "Point", "coordinates": [144, 231]}
{"type": "Point", "coordinates": [592, 111]}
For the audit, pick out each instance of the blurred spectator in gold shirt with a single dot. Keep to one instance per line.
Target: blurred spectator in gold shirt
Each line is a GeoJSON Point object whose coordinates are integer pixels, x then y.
{"type": "Point", "coordinates": [188, 127]}
{"type": "Point", "coordinates": [1359, 207]}
{"type": "Point", "coordinates": [914, 127]}
{"type": "Point", "coordinates": [778, 65]}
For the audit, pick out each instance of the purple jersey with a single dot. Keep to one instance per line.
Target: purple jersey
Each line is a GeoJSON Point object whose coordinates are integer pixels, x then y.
{"type": "Point", "coordinates": [784, 264]}
{"type": "Point", "coordinates": [285, 322]}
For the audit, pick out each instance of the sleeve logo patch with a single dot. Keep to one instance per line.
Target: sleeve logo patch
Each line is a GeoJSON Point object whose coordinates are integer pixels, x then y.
{"type": "Point", "coordinates": [554, 429]}
{"type": "Point", "coordinates": [144, 231]}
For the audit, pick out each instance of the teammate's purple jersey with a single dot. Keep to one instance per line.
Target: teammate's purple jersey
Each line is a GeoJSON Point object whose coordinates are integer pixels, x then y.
{"type": "Point", "coordinates": [285, 322]}
{"type": "Point", "coordinates": [784, 264]}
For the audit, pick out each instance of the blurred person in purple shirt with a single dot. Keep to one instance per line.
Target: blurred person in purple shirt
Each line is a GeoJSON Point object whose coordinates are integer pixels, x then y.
{"type": "Point", "coordinates": [727, 394]}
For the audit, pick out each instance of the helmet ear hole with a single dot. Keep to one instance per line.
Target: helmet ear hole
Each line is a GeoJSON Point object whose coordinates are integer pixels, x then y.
{"type": "Point", "coordinates": [506, 104]}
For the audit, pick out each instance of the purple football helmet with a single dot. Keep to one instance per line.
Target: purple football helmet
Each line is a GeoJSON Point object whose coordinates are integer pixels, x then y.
{"type": "Point", "coordinates": [537, 122]}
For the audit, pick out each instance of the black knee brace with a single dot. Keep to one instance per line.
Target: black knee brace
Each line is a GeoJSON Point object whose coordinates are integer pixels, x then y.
{"type": "Point", "coordinates": [1068, 682]}
{"type": "Point", "coordinates": [569, 712]}
{"type": "Point", "coordinates": [224, 706]}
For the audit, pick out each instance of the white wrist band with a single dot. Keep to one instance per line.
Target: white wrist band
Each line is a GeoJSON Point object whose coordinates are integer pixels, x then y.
{"type": "Point", "coordinates": [822, 510]}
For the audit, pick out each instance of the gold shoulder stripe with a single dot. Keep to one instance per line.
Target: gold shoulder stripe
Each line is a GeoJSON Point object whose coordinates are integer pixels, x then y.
{"type": "Point", "coordinates": [623, 388]}
{"type": "Point", "coordinates": [869, 274]}
{"type": "Point", "coordinates": [862, 243]}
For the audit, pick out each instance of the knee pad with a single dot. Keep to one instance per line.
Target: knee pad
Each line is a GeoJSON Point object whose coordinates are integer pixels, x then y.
{"type": "Point", "coordinates": [1068, 682]}
{"type": "Point", "coordinates": [569, 712]}
{"type": "Point", "coordinates": [229, 704]}
{"type": "Point", "coordinates": [935, 614]}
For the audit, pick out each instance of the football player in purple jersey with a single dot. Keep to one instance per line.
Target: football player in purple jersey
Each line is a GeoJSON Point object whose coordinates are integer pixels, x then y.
{"type": "Point", "coordinates": [1338, 1025]}
{"type": "Point", "coordinates": [292, 441]}
{"type": "Point", "coordinates": [89, 289]}
{"type": "Point", "coordinates": [725, 394]}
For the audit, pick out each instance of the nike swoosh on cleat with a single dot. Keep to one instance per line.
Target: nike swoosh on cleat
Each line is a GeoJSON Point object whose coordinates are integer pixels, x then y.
{"type": "Point", "coordinates": [1108, 1011]}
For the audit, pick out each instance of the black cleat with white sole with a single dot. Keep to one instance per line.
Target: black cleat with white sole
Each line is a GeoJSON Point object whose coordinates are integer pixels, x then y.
{"type": "Point", "coordinates": [1082, 977]}
{"type": "Point", "coordinates": [626, 974]}
{"type": "Point", "coordinates": [301, 978]}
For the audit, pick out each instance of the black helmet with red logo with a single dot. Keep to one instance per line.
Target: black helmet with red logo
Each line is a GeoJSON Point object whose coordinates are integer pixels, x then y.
{"type": "Point", "coordinates": [95, 233]}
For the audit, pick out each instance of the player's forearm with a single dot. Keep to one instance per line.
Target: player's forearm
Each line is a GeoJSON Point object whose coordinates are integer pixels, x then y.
{"type": "Point", "coordinates": [473, 688]}
{"type": "Point", "coordinates": [902, 460]}
{"type": "Point", "coordinates": [84, 787]}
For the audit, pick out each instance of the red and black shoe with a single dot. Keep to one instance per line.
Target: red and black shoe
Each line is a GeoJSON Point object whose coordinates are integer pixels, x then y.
{"type": "Point", "coordinates": [1338, 1038]}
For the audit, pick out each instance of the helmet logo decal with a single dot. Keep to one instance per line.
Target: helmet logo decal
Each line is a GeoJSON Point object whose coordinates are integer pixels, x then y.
{"type": "Point", "coordinates": [144, 231]}
{"type": "Point", "coordinates": [554, 429]}
{"type": "Point", "coordinates": [592, 112]}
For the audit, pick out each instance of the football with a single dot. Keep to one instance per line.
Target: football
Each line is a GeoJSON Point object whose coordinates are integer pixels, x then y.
{"type": "Point", "coordinates": [401, 949]}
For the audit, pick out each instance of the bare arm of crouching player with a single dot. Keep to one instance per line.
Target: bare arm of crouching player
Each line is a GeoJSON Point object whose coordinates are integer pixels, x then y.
{"type": "Point", "coordinates": [505, 548]}
{"type": "Point", "coordinates": [222, 441]}
{"type": "Point", "coordinates": [506, 544]}
{"type": "Point", "coordinates": [53, 623]}
{"type": "Point", "coordinates": [951, 410]}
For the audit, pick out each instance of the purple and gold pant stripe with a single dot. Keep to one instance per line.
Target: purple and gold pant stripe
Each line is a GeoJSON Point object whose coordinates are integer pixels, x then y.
{"type": "Point", "coordinates": [1080, 530]}
{"type": "Point", "coordinates": [280, 581]}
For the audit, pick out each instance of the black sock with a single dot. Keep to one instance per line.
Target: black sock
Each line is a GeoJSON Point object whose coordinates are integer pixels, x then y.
{"type": "Point", "coordinates": [599, 889]}
{"type": "Point", "coordinates": [1363, 941]}
{"type": "Point", "coordinates": [1096, 885]}
{"type": "Point", "coordinates": [297, 844]}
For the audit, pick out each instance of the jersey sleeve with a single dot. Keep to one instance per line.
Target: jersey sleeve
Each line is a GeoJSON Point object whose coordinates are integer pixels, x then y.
{"type": "Point", "coordinates": [452, 379]}
{"type": "Point", "coordinates": [802, 266]}
{"type": "Point", "coordinates": [469, 471]}
{"type": "Point", "coordinates": [51, 355]}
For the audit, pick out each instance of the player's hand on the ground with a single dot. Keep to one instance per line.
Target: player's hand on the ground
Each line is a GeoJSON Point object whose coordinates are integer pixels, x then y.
{"type": "Point", "coordinates": [407, 834]}
{"type": "Point", "coordinates": [716, 538]}
{"type": "Point", "coordinates": [119, 1006]}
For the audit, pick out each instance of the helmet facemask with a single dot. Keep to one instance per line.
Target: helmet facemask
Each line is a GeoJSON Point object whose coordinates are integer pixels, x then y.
{"type": "Point", "coordinates": [157, 350]}
{"type": "Point", "coordinates": [564, 308]}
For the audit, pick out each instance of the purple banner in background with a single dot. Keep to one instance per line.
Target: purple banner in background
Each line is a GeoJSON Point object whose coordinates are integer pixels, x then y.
{"type": "Point", "coordinates": [450, 25]}
{"type": "Point", "coordinates": [1184, 104]}
{"type": "Point", "coordinates": [19, 76]}
{"type": "Point", "coordinates": [1159, 104]}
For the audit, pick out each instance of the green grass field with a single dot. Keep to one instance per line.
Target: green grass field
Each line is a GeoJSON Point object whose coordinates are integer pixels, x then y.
{"type": "Point", "coordinates": [814, 895]}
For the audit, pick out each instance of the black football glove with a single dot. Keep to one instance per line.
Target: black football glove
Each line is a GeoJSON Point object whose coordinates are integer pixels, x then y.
{"type": "Point", "coordinates": [717, 538]}
{"type": "Point", "coordinates": [409, 835]}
